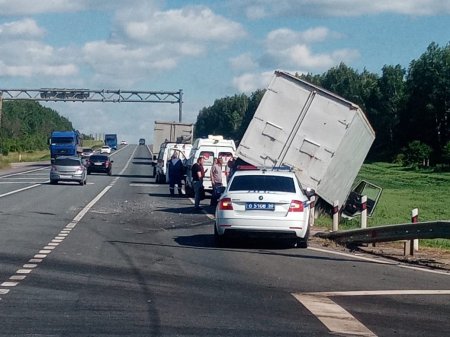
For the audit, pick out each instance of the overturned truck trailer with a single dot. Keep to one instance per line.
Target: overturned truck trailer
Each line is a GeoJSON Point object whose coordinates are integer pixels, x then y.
{"type": "Point", "coordinates": [322, 136]}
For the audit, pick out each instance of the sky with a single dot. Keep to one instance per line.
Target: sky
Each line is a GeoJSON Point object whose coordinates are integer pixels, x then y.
{"type": "Point", "coordinates": [208, 49]}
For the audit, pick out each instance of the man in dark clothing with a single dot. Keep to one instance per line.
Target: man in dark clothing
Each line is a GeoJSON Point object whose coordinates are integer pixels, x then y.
{"type": "Point", "coordinates": [198, 173]}
{"type": "Point", "coordinates": [175, 174]}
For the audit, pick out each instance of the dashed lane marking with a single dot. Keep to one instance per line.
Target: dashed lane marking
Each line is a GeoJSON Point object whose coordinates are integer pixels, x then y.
{"type": "Point", "coordinates": [20, 274]}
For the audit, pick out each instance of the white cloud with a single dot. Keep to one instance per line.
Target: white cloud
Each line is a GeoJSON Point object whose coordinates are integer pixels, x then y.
{"type": "Point", "coordinates": [195, 23]}
{"type": "Point", "coordinates": [25, 58]}
{"type": "Point", "coordinates": [286, 48]}
{"type": "Point", "coordinates": [250, 82]}
{"type": "Point", "coordinates": [243, 62]}
{"type": "Point", "coordinates": [29, 7]}
{"type": "Point", "coordinates": [257, 9]}
{"type": "Point", "coordinates": [26, 28]}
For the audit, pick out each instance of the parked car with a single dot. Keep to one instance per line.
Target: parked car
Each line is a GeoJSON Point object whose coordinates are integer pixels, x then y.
{"type": "Point", "coordinates": [142, 141]}
{"type": "Point", "coordinates": [105, 149]}
{"type": "Point", "coordinates": [87, 152]}
{"type": "Point", "coordinates": [263, 203]}
{"type": "Point", "coordinates": [68, 168]}
{"type": "Point", "coordinates": [123, 142]}
{"type": "Point", "coordinates": [100, 163]}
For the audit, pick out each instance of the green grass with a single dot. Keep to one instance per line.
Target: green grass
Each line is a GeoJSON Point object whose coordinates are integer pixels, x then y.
{"type": "Point", "coordinates": [403, 190]}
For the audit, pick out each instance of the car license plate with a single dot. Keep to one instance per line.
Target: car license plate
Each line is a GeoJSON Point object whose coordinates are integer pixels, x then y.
{"type": "Point", "coordinates": [98, 164]}
{"type": "Point", "coordinates": [250, 206]}
{"type": "Point", "coordinates": [65, 176]}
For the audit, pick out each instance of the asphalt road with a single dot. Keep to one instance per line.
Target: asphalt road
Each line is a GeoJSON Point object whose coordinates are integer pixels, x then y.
{"type": "Point", "coordinates": [119, 257]}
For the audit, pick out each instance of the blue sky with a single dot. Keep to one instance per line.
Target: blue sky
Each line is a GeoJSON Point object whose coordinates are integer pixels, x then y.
{"type": "Point", "coordinates": [210, 49]}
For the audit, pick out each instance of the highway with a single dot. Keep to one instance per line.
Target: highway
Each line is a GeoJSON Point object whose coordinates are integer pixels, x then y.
{"type": "Point", "coordinates": [119, 257]}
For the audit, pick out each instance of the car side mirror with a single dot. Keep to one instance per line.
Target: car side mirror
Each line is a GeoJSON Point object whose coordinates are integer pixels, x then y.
{"type": "Point", "coordinates": [112, 161]}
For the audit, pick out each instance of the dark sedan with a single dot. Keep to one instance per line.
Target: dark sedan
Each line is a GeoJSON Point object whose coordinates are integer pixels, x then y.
{"type": "Point", "coordinates": [99, 163]}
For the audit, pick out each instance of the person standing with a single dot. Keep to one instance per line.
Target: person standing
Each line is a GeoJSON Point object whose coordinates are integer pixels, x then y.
{"type": "Point", "coordinates": [175, 174]}
{"type": "Point", "coordinates": [216, 180]}
{"type": "Point", "coordinates": [198, 173]}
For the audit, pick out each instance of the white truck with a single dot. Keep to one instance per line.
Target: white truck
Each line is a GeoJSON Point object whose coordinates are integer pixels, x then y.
{"type": "Point", "coordinates": [321, 136]}
{"type": "Point", "coordinates": [171, 132]}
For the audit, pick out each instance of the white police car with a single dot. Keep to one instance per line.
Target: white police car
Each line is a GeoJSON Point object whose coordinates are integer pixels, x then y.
{"type": "Point", "coordinates": [263, 203]}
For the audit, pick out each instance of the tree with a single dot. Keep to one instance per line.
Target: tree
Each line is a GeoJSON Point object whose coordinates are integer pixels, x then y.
{"type": "Point", "coordinates": [428, 103]}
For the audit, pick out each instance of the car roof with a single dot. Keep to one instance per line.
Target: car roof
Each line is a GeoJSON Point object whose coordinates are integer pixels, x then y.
{"type": "Point", "coordinates": [273, 172]}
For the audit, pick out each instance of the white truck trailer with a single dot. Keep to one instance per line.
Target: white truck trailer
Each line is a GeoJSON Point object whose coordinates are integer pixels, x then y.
{"type": "Point", "coordinates": [171, 132]}
{"type": "Point", "coordinates": [321, 136]}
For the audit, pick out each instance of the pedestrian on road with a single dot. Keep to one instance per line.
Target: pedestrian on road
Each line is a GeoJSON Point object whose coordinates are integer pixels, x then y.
{"type": "Point", "coordinates": [198, 173]}
{"type": "Point", "coordinates": [216, 180]}
{"type": "Point", "coordinates": [175, 174]}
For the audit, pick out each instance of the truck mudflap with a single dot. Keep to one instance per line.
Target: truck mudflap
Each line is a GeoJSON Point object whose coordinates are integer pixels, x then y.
{"type": "Point", "coordinates": [354, 206]}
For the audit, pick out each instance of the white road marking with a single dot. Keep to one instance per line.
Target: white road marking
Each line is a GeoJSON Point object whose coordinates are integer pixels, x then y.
{"type": "Point", "coordinates": [145, 185]}
{"type": "Point", "coordinates": [19, 190]}
{"type": "Point", "coordinates": [9, 284]}
{"type": "Point", "coordinates": [43, 253]}
{"type": "Point", "coordinates": [18, 277]}
{"type": "Point", "coordinates": [337, 319]}
{"type": "Point", "coordinates": [381, 261]}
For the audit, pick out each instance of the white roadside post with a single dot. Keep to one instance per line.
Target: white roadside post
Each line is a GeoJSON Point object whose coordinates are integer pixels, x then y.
{"type": "Point", "coordinates": [335, 215]}
{"type": "Point", "coordinates": [312, 208]}
{"type": "Point", "coordinates": [364, 211]}
{"type": "Point", "coordinates": [414, 219]}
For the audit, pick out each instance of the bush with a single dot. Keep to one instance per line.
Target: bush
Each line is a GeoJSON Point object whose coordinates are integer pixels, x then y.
{"type": "Point", "coordinates": [417, 153]}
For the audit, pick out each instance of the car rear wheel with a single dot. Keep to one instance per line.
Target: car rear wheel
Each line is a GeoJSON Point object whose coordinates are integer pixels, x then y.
{"type": "Point", "coordinates": [220, 240]}
{"type": "Point", "coordinates": [53, 182]}
{"type": "Point", "coordinates": [303, 242]}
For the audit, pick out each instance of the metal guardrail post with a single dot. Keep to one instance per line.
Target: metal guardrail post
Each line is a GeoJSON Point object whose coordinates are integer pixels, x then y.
{"type": "Point", "coordinates": [336, 215]}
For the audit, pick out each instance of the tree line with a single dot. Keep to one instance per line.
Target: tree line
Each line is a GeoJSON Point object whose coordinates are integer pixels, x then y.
{"type": "Point", "coordinates": [408, 108]}
{"type": "Point", "coordinates": [26, 126]}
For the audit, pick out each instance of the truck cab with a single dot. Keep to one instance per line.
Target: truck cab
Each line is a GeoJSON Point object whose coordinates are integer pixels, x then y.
{"type": "Point", "coordinates": [65, 143]}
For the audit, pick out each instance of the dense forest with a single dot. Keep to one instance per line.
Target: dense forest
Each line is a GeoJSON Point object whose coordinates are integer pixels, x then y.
{"type": "Point", "coordinates": [26, 126]}
{"type": "Point", "coordinates": [408, 108]}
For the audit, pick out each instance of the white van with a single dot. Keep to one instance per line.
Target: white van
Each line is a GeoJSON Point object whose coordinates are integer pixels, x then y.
{"type": "Point", "coordinates": [165, 153]}
{"type": "Point", "coordinates": [209, 148]}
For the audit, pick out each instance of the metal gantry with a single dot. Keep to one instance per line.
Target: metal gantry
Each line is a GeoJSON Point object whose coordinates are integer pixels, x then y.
{"type": "Point", "coordinates": [88, 95]}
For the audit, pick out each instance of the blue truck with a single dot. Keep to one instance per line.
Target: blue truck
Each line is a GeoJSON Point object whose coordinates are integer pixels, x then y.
{"type": "Point", "coordinates": [65, 143]}
{"type": "Point", "coordinates": [111, 140]}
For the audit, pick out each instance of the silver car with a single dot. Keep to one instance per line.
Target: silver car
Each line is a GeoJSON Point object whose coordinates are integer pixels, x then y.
{"type": "Point", "coordinates": [68, 168]}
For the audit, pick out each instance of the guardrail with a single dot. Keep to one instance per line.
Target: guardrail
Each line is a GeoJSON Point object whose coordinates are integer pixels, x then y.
{"type": "Point", "coordinates": [409, 231]}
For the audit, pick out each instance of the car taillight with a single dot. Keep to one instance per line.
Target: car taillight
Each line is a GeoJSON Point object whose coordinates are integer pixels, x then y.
{"type": "Point", "coordinates": [296, 206]}
{"type": "Point", "coordinates": [225, 204]}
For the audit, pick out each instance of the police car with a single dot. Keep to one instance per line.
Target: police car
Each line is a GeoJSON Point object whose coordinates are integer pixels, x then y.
{"type": "Point", "coordinates": [263, 203]}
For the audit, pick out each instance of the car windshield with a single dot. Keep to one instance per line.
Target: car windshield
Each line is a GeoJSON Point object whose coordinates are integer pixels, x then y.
{"type": "Point", "coordinates": [99, 158]}
{"type": "Point", "coordinates": [87, 150]}
{"type": "Point", "coordinates": [67, 162]}
{"type": "Point", "coordinates": [262, 183]}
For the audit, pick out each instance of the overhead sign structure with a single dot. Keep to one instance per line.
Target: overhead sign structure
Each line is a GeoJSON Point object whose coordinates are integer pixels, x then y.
{"type": "Point", "coordinates": [88, 95]}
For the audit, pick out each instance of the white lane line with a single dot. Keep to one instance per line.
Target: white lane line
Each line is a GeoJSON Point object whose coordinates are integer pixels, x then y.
{"type": "Point", "coordinates": [9, 284]}
{"type": "Point", "coordinates": [19, 190]}
{"type": "Point", "coordinates": [340, 321]}
{"type": "Point", "coordinates": [381, 261]}
{"type": "Point", "coordinates": [24, 172]}
{"type": "Point", "coordinates": [43, 253]}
